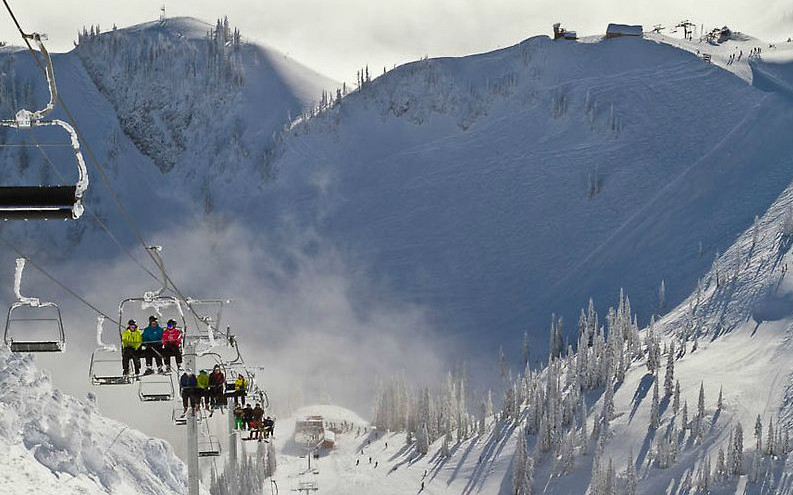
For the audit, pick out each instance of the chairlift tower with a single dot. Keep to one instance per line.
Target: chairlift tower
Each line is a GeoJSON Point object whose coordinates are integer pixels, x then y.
{"type": "Point", "coordinates": [687, 28]}
{"type": "Point", "coordinates": [192, 427]}
{"type": "Point", "coordinates": [162, 13]}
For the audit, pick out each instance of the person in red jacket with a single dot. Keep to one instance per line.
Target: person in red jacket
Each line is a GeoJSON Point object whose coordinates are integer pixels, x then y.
{"type": "Point", "coordinates": [172, 345]}
{"type": "Point", "coordinates": [217, 384]}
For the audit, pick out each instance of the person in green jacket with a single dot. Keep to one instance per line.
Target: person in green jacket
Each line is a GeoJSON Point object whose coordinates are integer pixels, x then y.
{"type": "Point", "coordinates": [202, 388]}
{"type": "Point", "coordinates": [131, 340]}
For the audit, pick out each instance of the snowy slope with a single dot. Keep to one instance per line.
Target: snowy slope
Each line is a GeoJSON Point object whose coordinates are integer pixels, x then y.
{"type": "Point", "coordinates": [52, 443]}
{"type": "Point", "coordinates": [501, 187]}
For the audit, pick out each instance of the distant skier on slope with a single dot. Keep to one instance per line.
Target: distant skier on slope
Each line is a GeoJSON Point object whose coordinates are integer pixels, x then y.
{"type": "Point", "coordinates": [172, 345]}
{"type": "Point", "coordinates": [130, 347]}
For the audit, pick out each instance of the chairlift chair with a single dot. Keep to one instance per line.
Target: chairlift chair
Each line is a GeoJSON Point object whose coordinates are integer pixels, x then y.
{"type": "Point", "coordinates": [209, 446]}
{"type": "Point", "coordinates": [178, 417]}
{"type": "Point", "coordinates": [105, 362]}
{"type": "Point", "coordinates": [47, 314]}
{"type": "Point", "coordinates": [153, 302]}
{"type": "Point", "coordinates": [155, 388]}
{"type": "Point", "coordinates": [60, 202]}
{"type": "Point", "coordinates": [209, 313]}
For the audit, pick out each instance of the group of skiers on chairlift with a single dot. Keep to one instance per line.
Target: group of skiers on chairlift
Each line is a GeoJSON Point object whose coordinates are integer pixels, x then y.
{"type": "Point", "coordinates": [253, 419]}
{"type": "Point", "coordinates": [153, 344]}
{"type": "Point", "coordinates": [209, 390]}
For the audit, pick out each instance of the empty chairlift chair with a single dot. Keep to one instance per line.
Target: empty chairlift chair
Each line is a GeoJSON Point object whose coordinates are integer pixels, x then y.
{"type": "Point", "coordinates": [208, 446]}
{"type": "Point", "coordinates": [105, 368]}
{"type": "Point", "coordinates": [29, 318]}
{"type": "Point", "coordinates": [156, 388]}
{"type": "Point", "coordinates": [61, 202]}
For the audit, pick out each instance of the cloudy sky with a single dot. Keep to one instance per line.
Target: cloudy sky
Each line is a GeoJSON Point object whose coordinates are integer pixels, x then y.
{"type": "Point", "coordinates": [338, 37]}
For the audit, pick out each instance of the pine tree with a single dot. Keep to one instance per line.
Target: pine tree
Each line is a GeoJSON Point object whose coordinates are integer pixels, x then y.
{"type": "Point", "coordinates": [422, 439]}
{"type": "Point", "coordinates": [631, 480]}
{"type": "Point", "coordinates": [684, 416]}
{"type": "Point", "coordinates": [654, 408]}
{"type": "Point", "coordinates": [721, 467]}
{"type": "Point", "coordinates": [676, 398]}
{"type": "Point", "coordinates": [670, 371]}
{"type": "Point", "coordinates": [758, 433]}
{"type": "Point", "coordinates": [769, 443]}
{"type": "Point", "coordinates": [522, 467]}
{"type": "Point", "coordinates": [737, 462]}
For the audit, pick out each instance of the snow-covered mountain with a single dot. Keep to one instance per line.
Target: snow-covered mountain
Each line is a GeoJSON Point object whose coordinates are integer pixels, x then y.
{"type": "Point", "coordinates": [489, 191]}
{"type": "Point", "coordinates": [498, 188]}
{"type": "Point", "coordinates": [52, 443]}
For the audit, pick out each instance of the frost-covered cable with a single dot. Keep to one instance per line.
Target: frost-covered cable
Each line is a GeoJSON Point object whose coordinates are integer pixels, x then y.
{"type": "Point", "coordinates": [93, 214]}
{"type": "Point", "coordinates": [60, 284]}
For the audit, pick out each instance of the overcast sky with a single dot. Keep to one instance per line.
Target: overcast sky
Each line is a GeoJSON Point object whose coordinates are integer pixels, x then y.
{"type": "Point", "coordinates": [339, 36]}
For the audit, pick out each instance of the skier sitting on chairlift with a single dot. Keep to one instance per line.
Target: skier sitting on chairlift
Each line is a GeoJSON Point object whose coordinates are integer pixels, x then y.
{"type": "Point", "coordinates": [187, 387]}
{"type": "Point", "coordinates": [240, 384]}
{"type": "Point", "coordinates": [130, 347]}
{"type": "Point", "coordinates": [268, 425]}
{"type": "Point", "coordinates": [203, 388]}
{"type": "Point", "coordinates": [238, 421]}
{"type": "Point", "coordinates": [152, 343]}
{"type": "Point", "coordinates": [171, 345]}
{"type": "Point", "coordinates": [247, 416]}
{"type": "Point", "coordinates": [256, 426]}
{"type": "Point", "coordinates": [216, 383]}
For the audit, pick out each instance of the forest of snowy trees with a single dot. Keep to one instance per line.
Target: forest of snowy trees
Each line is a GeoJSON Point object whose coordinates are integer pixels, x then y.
{"type": "Point", "coordinates": [153, 80]}
{"type": "Point", "coordinates": [550, 409]}
{"type": "Point", "coordinates": [249, 477]}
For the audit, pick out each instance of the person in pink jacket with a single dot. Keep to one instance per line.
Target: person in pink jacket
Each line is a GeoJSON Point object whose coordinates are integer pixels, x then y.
{"type": "Point", "coordinates": [172, 345]}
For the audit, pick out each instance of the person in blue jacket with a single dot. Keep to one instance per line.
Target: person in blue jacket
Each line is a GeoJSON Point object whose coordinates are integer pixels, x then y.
{"type": "Point", "coordinates": [152, 342]}
{"type": "Point", "coordinates": [187, 387]}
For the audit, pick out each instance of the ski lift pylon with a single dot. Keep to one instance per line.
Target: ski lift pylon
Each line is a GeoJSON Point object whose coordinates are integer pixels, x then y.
{"type": "Point", "coordinates": [61, 202]}
{"type": "Point", "coordinates": [48, 314]}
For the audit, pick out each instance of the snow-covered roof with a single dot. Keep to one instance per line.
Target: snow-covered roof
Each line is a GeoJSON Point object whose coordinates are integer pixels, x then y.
{"type": "Point", "coordinates": [623, 30]}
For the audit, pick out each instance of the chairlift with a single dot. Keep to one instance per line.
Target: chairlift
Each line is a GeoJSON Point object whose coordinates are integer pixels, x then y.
{"type": "Point", "coordinates": [155, 388]}
{"type": "Point", "coordinates": [153, 302]}
{"type": "Point", "coordinates": [60, 202]}
{"type": "Point", "coordinates": [105, 362]}
{"type": "Point", "coordinates": [28, 314]}
{"type": "Point", "coordinates": [209, 313]}
{"type": "Point", "coordinates": [209, 446]}
{"type": "Point", "coordinates": [178, 416]}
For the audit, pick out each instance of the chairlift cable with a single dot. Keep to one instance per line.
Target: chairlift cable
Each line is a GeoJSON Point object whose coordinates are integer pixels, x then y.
{"type": "Point", "coordinates": [57, 282]}
{"type": "Point", "coordinates": [95, 216]}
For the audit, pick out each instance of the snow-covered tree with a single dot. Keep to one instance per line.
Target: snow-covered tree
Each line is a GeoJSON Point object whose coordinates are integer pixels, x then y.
{"type": "Point", "coordinates": [736, 463]}
{"type": "Point", "coordinates": [422, 439]}
{"type": "Point", "coordinates": [654, 408]}
{"type": "Point", "coordinates": [670, 371]}
{"type": "Point", "coordinates": [631, 480]}
{"type": "Point", "coordinates": [676, 398]}
{"type": "Point", "coordinates": [522, 467]}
